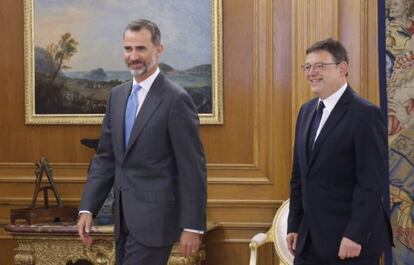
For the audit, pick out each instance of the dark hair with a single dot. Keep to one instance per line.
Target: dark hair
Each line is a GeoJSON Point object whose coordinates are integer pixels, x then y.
{"type": "Point", "coordinates": [334, 47]}
{"type": "Point", "coordinates": [140, 24]}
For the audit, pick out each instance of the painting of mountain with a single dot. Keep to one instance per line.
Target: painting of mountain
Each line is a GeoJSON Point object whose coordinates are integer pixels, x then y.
{"type": "Point", "coordinates": [78, 52]}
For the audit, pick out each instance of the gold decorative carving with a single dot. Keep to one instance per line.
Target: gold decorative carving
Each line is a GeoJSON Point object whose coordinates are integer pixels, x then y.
{"type": "Point", "coordinates": [24, 254]}
{"type": "Point", "coordinates": [194, 259]}
{"type": "Point", "coordinates": [102, 252]}
{"type": "Point", "coordinates": [61, 249]}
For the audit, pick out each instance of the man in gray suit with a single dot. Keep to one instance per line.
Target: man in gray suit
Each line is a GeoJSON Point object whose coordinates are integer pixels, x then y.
{"type": "Point", "coordinates": [151, 153]}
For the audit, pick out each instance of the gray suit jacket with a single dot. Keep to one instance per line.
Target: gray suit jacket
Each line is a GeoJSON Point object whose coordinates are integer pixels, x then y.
{"type": "Point", "coordinates": [161, 174]}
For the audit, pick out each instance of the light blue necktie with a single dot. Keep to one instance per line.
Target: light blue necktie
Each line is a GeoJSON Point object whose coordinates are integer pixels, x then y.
{"type": "Point", "coordinates": [131, 112]}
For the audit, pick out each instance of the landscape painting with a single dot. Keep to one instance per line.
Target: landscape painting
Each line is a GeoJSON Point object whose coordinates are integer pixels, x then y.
{"type": "Point", "coordinates": [74, 55]}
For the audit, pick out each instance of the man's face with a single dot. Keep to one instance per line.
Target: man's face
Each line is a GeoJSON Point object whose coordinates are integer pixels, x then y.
{"type": "Point", "coordinates": [140, 54]}
{"type": "Point", "coordinates": [327, 76]}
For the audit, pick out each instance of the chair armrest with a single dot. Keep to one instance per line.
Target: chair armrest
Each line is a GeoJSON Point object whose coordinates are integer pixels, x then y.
{"type": "Point", "coordinates": [258, 240]}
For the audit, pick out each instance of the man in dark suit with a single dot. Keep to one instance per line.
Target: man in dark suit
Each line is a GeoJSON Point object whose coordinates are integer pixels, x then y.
{"type": "Point", "coordinates": [340, 166]}
{"type": "Point", "coordinates": [151, 153]}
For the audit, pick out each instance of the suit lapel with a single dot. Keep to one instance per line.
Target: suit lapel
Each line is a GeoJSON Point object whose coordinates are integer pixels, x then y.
{"type": "Point", "coordinates": [150, 104]}
{"type": "Point", "coordinates": [337, 113]}
{"type": "Point", "coordinates": [119, 121]}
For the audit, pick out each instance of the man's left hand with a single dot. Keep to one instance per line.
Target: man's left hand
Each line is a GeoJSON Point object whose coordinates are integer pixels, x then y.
{"type": "Point", "coordinates": [349, 249]}
{"type": "Point", "coordinates": [189, 243]}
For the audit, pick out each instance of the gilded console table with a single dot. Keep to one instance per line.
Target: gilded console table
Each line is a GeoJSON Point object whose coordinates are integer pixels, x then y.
{"type": "Point", "coordinates": [48, 244]}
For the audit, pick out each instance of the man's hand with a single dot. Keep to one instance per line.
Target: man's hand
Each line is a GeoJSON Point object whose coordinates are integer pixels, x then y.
{"type": "Point", "coordinates": [291, 240]}
{"type": "Point", "coordinates": [84, 227]}
{"type": "Point", "coordinates": [349, 249]}
{"type": "Point", "coordinates": [189, 243]}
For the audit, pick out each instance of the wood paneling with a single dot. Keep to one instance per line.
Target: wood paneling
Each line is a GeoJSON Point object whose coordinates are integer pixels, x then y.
{"type": "Point", "coordinates": [312, 21]}
{"type": "Point", "coordinates": [249, 156]}
{"type": "Point", "coordinates": [6, 250]}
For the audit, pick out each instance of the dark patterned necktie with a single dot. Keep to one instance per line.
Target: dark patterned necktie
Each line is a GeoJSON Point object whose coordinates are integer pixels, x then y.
{"type": "Point", "coordinates": [315, 124]}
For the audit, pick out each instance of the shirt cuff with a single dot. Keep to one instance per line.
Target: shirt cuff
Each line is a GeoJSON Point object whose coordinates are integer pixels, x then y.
{"type": "Point", "coordinates": [84, 211]}
{"type": "Point", "coordinates": [194, 231]}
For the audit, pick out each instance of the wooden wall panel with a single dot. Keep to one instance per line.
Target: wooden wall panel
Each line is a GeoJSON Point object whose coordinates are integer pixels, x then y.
{"type": "Point", "coordinates": [358, 61]}
{"type": "Point", "coordinates": [7, 247]}
{"type": "Point", "coordinates": [249, 156]}
{"type": "Point", "coordinates": [373, 91]}
{"type": "Point", "coordinates": [312, 21]}
{"type": "Point", "coordinates": [280, 137]}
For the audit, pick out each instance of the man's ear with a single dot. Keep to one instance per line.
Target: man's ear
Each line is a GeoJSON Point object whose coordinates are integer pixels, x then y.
{"type": "Point", "coordinates": [343, 68]}
{"type": "Point", "coordinates": [160, 49]}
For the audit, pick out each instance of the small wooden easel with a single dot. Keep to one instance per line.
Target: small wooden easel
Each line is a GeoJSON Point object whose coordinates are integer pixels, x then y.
{"type": "Point", "coordinates": [45, 213]}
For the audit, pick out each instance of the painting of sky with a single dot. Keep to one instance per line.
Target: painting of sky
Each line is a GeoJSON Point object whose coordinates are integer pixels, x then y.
{"type": "Point", "coordinates": [98, 25]}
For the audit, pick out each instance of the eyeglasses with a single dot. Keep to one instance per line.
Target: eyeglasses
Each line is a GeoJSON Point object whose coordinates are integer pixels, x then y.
{"type": "Point", "coordinates": [316, 66]}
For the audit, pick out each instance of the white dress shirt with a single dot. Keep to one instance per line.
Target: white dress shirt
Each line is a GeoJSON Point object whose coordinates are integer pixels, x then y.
{"type": "Point", "coordinates": [145, 87]}
{"type": "Point", "coordinates": [330, 103]}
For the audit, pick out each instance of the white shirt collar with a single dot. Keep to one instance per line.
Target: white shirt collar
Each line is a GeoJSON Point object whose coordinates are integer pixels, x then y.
{"type": "Point", "coordinates": [331, 101]}
{"type": "Point", "coordinates": [147, 83]}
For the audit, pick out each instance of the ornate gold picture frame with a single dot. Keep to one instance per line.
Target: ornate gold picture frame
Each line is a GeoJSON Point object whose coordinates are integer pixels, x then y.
{"type": "Point", "coordinates": [73, 55]}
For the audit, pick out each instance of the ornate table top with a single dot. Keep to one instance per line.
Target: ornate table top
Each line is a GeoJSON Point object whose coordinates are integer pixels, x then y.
{"type": "Point", "coordinates": [69, 228]}
{"type": "Point", "coordinates": [66, 228]}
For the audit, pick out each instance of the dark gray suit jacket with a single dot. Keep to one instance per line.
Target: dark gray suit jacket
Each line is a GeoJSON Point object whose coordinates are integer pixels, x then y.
{"type": "Point", "coordinates": [337, 189]}
{"type": "Point", "coordinates": [161, 174]}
